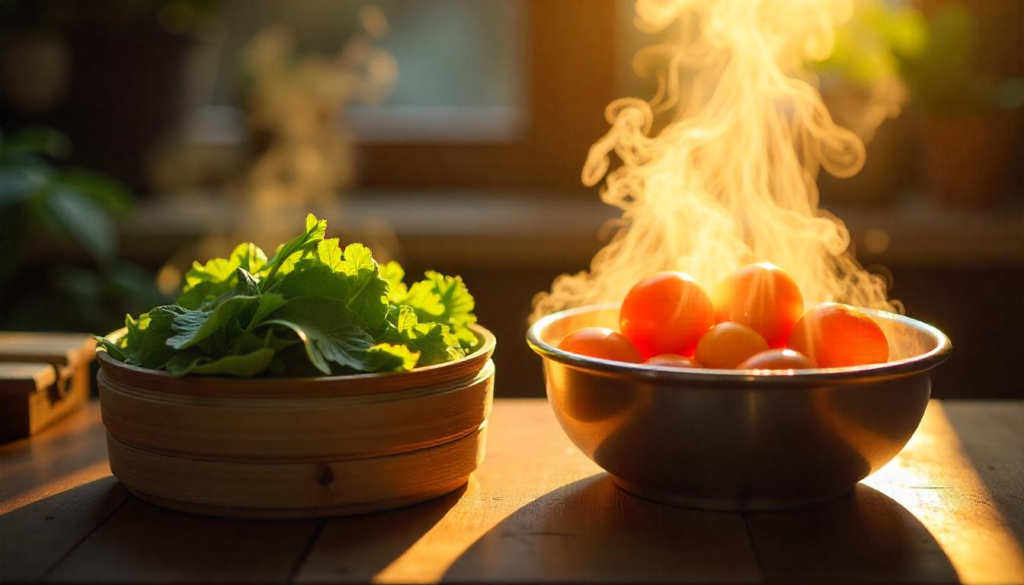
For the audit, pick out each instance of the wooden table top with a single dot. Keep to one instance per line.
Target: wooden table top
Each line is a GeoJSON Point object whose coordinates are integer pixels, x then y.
{"type": "Point", "coordinates": [949, 507]}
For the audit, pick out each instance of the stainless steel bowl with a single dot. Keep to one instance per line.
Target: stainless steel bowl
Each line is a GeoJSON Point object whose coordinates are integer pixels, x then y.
{"type": "Point", "coordinates": [732, 439]}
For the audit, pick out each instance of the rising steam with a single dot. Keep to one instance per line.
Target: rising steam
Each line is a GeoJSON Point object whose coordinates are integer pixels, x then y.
{"type": "Point", "coordinates": [730, 180]}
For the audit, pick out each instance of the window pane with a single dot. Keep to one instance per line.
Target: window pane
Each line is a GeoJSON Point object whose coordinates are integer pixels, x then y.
{"type": "Point", "coordinates": [456, 58]}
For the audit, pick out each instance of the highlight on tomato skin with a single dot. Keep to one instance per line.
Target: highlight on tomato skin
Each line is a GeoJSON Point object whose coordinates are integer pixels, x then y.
{"type": "Point", "coordinates": [728, 344]}
{"type": "Point", "coordinates": [666, 313]}
{"type": "Point", "coordinates": [763, 297]}
{"type": "Point", "coordinates": [836, 336]}
{"type": "Point", "coordinates": [778, 359]}
{"type": "Point", "coordinates": [601, 343]}
{"type": "Point", "coordinates": [670, 360]}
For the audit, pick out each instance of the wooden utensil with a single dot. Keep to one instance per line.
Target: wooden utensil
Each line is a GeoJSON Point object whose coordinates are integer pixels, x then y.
{"type": "Point", "coordinates": [43, 377]}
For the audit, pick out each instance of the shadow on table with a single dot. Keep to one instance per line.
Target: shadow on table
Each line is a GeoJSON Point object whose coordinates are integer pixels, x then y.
{"type": "Point", "coordinates": [35, 537]}
{"type": "Point", "coordinates": [358, 548]}
{"type": "Point", "coordinates": [99, 532]}
{"type": "Point", "coordinates": [592, 530]}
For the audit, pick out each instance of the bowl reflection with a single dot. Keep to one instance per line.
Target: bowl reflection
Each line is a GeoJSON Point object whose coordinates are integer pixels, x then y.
{"type": "Point", "coordinates": [732, 440]}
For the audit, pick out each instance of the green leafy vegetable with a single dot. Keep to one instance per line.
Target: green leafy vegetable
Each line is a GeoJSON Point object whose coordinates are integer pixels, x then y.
{"type": "Point", "coordinates": [314, 308]}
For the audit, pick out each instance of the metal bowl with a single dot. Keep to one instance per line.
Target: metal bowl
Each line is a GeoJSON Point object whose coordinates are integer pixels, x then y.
{"type": "Point", "coordinates": [735, 439]}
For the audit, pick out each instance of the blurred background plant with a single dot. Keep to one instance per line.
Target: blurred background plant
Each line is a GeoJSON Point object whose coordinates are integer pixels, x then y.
{"type": "Point", "coordinates": [127, 66]}
{"type": "Point", "coordinates": [972, 123]}
{"type": "Point", "coordinates": [58, 231]}
{"type": "Point", "coordinates": [864, 90]}
{"type": "Point", "coordinates": [867, 56]}
{"type": "Point", "coordinates": [942, 69]}
{"type": "Point", "coordinates": [296, 106]}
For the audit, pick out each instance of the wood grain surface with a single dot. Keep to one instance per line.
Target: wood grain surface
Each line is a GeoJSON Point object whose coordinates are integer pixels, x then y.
{"type": "Point", "coordinates": [60, 349]}
{"type": "Point", "coordinates": [948, 508]}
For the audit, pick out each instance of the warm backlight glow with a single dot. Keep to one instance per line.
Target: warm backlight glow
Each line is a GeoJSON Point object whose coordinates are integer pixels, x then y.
{"type": "Point", "coordinates": [729, 179]}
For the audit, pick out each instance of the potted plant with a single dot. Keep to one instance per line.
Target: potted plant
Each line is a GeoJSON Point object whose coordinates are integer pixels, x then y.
{"type": "Point", "coordinates": [971, 131]}
{"type": "Point", "coordinates": [861, 85]}
{"type": "Point", "coordinates": [310, 383]}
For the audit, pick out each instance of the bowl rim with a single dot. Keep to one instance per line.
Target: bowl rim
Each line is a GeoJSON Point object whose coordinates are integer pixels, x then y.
{"type": "Point", "coordinates": [469, 366]}
{"type": "Point", "coordinates": [740, 379]}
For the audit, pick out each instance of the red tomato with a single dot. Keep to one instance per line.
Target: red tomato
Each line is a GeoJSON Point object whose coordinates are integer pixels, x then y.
{"type": "Point", "coordinates": [763, 297]}
{"type": "Point", "coordinates": [666, 313]}
{"type": "Point", "coordinates": [728, 344]}
{"type": "Point", "coordinates": [601, 343]}
{"type": "Point", "coordinates": [669, 360]}
{"type": "Point", "coordinates": [837, 336]}
{"type": "Point", "coordinates": [777, 359]}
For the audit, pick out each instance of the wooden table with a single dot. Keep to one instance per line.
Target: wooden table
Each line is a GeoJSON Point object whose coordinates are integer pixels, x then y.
{"type": "Point", "coordinates": [949, 507]}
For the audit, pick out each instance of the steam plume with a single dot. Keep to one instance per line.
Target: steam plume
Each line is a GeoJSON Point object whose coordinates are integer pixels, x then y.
{"type": "Point", "coordinates": [730, 179]}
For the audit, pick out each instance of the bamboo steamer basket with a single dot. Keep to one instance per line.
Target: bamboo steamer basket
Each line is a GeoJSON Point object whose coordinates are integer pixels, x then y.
{"type": "Point", "coordinates": [297, 447]}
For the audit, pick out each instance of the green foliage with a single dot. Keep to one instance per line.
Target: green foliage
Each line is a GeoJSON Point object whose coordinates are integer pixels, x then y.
{"type": "Point", "coordinates": [313, 308]}
{"type": "Point", "coordinates": [944, 75]}
{"type": "Point", "coordinates": [870, 47]}
{"type": "Point", "coordinates": [51, 216]}
{"type": "Point", "coordinates": [74, 204]}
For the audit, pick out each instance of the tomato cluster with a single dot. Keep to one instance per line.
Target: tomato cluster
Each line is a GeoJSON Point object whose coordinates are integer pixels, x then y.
{"type": "Point", "coordinates": [754, 320]}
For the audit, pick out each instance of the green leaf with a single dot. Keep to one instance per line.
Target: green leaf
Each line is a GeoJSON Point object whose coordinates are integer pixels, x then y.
{"type": "Point", "coordinates": [191, 327]}
{"type": "Point", "coordinates": [205, 282]}
{"type": "Point", "coordinates": [355, 281]}
{"type": "Point", "coordinates": [394, 274]}
{"type": "Point", "coordinates": [146, 344]}
{"type": "Point", "coordinates": [19, 184]}
{"type": "Point", "coordinates": [329, 330]}
{"type": "Point", "coordinates": [307, 241]}
{"type": "Point", "coordinates": [387, 357]}
{"type": "Point", "coordinates": [112, 348]}
{"type": "Point", "coordinates": [247, 342]}
{"type": "Point", "coordinates": [358, 260]}
{"type": "Point", "coordinates": [243, 366]}
{"type": "Point", "coordinates": [330, 253]}
{"type": "Point", "coordinates": [445, 300]}
{"type": "Point", "coordinates": [106, 192]}
{"type": "Point", "coordinates": [367, 291]}
{"type": "Point", "coordinates": [84, 220]}
{"type": "Point", "coordinates": [248, 256]}
{"type": "Point", "coordinates": [40, 140]}
{"type": "Point", "coordinates": [433, 341]}
{"type": "Point", "coordinates": [293, 362]}
{"type": "Point", "coordinates": [318, 281]}
{"type": "Point", "coordinates": [269, 302]}
{"type": "Point", "coordinates": [247, 285]}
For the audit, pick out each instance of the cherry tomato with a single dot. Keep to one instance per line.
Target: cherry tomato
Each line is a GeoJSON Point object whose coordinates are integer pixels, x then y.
{"type": "Point", "coordinates": [671, 360]}
{"type": "Point", "coordinates": [778, 359]}
{"type": "Point", "coordinates": [728, 344]}
{"type": "Point", "coordinates": [601, 343]}
{"type": "Point", "coordinates": [666, 313]}
{"type": "Point", "coordinates": [763, 297]}
{"type": "Point", "coordinates": [836, 336]}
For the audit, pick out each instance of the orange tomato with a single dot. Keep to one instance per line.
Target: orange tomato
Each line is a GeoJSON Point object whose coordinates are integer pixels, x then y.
{"type": "Point", "coordinates": [666, 313]}
{"type": "Point", "coordinates": [763, 297]}
{"type": "Point", "coordinates": [728, 344]}
{"type": "Point", "coordinates": [836, 336]}
{"type": "Point", "coordinates": [671, 360]}
{"type": "Point", "coordinates": [778, 359]}
{"type": "Point", "coordinates": [601, 343]}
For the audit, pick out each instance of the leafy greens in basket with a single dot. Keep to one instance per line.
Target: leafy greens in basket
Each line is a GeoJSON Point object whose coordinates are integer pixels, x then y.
{"type": "Point", "coordinates": [314, 308]}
